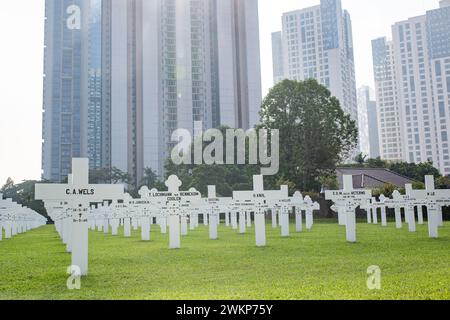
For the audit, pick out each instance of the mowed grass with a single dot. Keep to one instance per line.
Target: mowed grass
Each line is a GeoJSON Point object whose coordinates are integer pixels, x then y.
{"type": "Point", "coordinates": [316, 264]}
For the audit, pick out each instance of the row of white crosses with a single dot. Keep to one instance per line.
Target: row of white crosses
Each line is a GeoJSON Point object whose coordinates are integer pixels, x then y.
{"type": "Point", "coordinates": [190, 205]}
{"type": "Point", "coordinates": [431, 198]}
{"type": "Point", "coordinates": [16, 219]}
{"type": "Point", "coordinates": [347, 200]}
{"type": "Point", "coordinates": [259, 201]}
{"type": "Point", "coordinates": [69, 205]}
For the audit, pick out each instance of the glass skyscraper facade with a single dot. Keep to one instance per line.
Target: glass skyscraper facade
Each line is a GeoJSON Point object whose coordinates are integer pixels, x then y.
{"type": "Point", "coordinates": [95, 134]}
{"type": "Point", "coordinates": [135, 71]}
{"type": "Point", "coordinates": [64, 61]}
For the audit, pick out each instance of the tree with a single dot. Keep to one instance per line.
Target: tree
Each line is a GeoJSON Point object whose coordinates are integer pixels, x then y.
{"type": "Point", "coordinates": [226, 178]}
{"type": "Point", "coordinates": [361, 159]}
{"type": "Point", "coordinates": [9, 184]}
{"type": "Point", "coordinates": [414, 171]}
{"type": "Point", "coordinates": [23, 193]}
{"type": "Point", "coordinates": [377, 163]}
{"type": "Point", "coordinates": [387, 190]}
{"type": "Point", "coordinates": [149, 179]}
{"type": "Point", "coordinates": [443, 182]}
{"type": "Point", "coordinates": [315, 132]}
{"type": "Point", "coordinates": [329, 181]}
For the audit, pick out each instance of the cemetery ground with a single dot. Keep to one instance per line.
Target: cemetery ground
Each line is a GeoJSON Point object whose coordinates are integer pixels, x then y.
{"type": "Point", "coordinates": [316, 264]}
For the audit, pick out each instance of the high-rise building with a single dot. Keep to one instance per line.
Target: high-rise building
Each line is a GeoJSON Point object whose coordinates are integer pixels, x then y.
{"type": "Point", "coordinates": [388, 114]}
{"type": "Point", "coordinates": [65, 86]}
{"type": "Point", "coordinates": [420, 65]}
{"type": "Point", "coordinates": [317, 43]}
{"type": "Point", "coordinates": [277, 57]}
{"type": "Point", "coordinates": [368, 123]}
{"type": "Point", "coordinates": [372, 117]}
{"type": "Point", "coordinates": [95, 133]}
{"type": "Point", "coordinates": [153, 67]}
{"type": "Point", "coordinates": [363, 119]}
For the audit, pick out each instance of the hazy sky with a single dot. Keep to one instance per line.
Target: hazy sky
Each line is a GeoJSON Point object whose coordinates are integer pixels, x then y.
{"type": "Point", "coordinates": [21, 65]}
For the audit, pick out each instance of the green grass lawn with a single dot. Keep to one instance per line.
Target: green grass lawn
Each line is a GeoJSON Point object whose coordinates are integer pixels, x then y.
{"type": "Point", "coordinates": [317, 264]}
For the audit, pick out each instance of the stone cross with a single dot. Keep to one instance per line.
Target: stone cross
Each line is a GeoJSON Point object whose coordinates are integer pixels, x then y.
{"type": "Point", "coordinates": [310, 207]}
{"type": "Point", "coordinates": [368, 208]}
{"type": "Point", "coordinates": [79, 193]}
{"type": "Point", "coordinates": [297, 202]}
{"type": "Point", "coordinates": [397, 203]}
{"type": "Point", "coordinates": [431, 198]}
{"type": "Point", "coordinates": [158, 205]}
{"type": "Point", "coordinates": [382, 205]}
{"type": "Point", "coordinates": [349, 199]}
{"type": "Point", "coordinates": [172, 203]}
{"type": "Point", "coordinates": [258, 200]}
{"type": "Point", "coordinates": [215, 206]}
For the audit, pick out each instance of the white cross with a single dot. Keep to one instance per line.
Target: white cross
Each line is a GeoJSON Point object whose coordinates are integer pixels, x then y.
{"type": "Point", "coordinates": [397, 203]}
{"type": "Point", "coordinates": [297, 202]}
{"type": "Point", "coordinates": [174, 203]}
{"type": "Point", "coordinates": [79, 193]}
{"type": "Point", "coordinates": [57, 211]}
{"type": "Point", "coordinates": [258, 200]}
{"type": "Point", "coordinates": [368, 208]}
{"type": "Point", "coordinates": [157, 205]}
{"type": "Point", "coordinates": [432, 199]}
{"type": "Point", "coordinates": [349, 199]}
{"type": "Point", "coordinates": [215, 205]}
{"type": "Point", "coordinates": [310, 207]}
{"type": "Point", "coordinates": [382, 205]}
{"type": "Point", "coordinates": [145, 210]}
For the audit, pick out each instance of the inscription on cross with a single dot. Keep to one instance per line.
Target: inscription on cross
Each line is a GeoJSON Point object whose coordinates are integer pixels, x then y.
{"type": "Point", "coordinates": [258, 200]}
{"type": "Point", "coordinates": [349, 199]}
{"type": "Point", "coordinates": [432, 198]}
{"type": "Point", "coordinates": [80, 194]}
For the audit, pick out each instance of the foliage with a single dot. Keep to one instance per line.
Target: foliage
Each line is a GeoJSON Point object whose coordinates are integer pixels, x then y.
{"type": "Point", "coordinates": [387, 190]}
{"type": "Point", "coordinates": [226, 178]}
{"type": "Point", "coordinates": [109, 176]}
{"type": "Point", "coordinates": [151, 180]}
{"type": "Point", "coordinates": [361, 158]}
{"type": "Point", "coordinates": [443, 182]}
{"type": "Point", "coordinates": [23, 193]}
{"type": "Point", "coordinates": [286, 182]}
{"type": "Point", "coordinates": [329, 181]}
{"type": "Point", "coordinates": [315, 132]}
{"type": "Point", "coordinates": [414, 171]}
{"type": "Point", "coordinates": [377, 163]}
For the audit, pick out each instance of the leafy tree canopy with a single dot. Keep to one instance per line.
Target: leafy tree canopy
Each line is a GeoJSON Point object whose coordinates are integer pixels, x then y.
{"type": "Point", "coordinates": [315, 133]}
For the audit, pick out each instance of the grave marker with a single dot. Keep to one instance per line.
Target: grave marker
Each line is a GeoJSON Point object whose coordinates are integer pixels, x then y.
{"type": "Point", "coordinates": [80, 194]}
{"type": "Point", "coordinates": [349, 199]}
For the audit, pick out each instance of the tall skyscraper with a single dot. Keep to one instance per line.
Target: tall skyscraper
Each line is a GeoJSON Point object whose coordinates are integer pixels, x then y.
{"type": "Point", "coordinates": [317, 43]}
{"type": "Point", "coordinates": [363, 119]}
{"type": "Point", "coordinates": [65, 86]}
{"type": "Point", "coordinates": [368, 123]}
{"type": "Point", "coordinates": [420, 56]}
{"type": "Point", "coordinates": [372, 117]}
{"type": "Point", "coordinates": [153, 67]}
{"type": "Point", "coordinates": [277, 57]}
{"type": "Point", "coordinates": [388, 113]}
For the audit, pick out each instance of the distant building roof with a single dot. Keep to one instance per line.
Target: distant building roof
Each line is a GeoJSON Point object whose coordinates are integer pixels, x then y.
{"type": "Point", "coordinates": [370, 178]}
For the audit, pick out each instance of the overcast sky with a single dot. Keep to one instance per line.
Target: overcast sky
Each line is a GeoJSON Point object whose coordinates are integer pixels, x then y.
{"type": "Point", "coordinates": [21, 65]}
